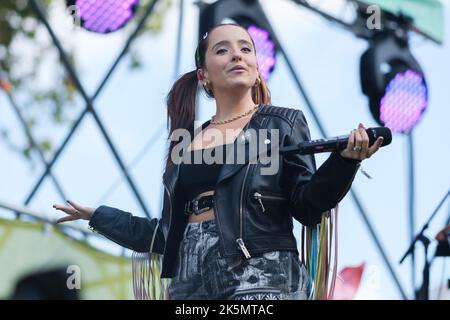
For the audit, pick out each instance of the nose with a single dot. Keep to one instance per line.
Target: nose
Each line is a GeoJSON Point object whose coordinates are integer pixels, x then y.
{"type": "Point", "coordinates": [237, 56]}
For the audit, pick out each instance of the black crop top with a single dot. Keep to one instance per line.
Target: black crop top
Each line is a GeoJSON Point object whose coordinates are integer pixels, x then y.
{"type": "Point", "coordinates": [201, 173]}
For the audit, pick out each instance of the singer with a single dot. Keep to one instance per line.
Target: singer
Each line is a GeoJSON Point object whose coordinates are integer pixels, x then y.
{"type": "Point", "coordinates": [226, 231]}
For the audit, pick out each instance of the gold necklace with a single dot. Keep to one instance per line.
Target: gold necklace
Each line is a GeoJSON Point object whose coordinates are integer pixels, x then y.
{"type": "Point", "coordinates": [234, 118]}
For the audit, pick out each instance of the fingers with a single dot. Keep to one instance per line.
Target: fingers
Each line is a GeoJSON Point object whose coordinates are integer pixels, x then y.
{"type": "Point", "coordinates": [66, 218]}
{"type": "Point", "coordinates": [73, 213]}
{"type": "Point", "coordinates": [349, 152]}
{"type": "Point", "coordinates": [358, 145]}
{"type": "Point", "coordinates": [356, 150]}
{"type": "Point", "coordinates": [65, 209]}
{"type": "Point", "coordinates": [375, 147]}
{"type": "Point", "coordinates": [75, 205]}
{"type": "Point", "coordinates": [364, 139]}
{"type": "Point", "coordinates": [351, 141]}
{"type": "Point", "coordinates": [358, 141]}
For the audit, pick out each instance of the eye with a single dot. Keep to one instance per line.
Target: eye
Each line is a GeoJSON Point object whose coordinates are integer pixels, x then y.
{"type": "Point", "coordinates": [220, 51]}
{"type": "Point", "coordinates": [247, 49]}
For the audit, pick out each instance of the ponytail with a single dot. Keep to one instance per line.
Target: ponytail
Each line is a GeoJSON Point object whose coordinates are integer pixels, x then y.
{"type": "Point", "coordinates": [181, 107]}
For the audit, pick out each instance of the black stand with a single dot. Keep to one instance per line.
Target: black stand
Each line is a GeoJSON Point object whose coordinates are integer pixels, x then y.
{"type": "Point", "coordinates": [422, 293]}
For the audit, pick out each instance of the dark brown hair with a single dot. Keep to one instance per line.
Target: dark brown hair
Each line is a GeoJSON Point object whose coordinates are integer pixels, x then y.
{"type": "Point", "coordinates": [182, 95]}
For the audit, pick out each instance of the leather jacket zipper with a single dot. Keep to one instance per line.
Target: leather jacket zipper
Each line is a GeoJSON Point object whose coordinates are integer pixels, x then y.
{"type": "Point", "coordinates": [258, 196]}
{"type": "Point", "coordinates": [241, 245]}
{"type": "Point", "coordinates": [240, 240]}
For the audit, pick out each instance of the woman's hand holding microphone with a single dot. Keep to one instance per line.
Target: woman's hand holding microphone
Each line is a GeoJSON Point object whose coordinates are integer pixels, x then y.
{"type": "Point", "coordinates": [358, 145]}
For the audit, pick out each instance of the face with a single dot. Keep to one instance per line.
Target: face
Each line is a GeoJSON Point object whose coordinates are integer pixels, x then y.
{"type": "Point", "coordinates": [230, 47]}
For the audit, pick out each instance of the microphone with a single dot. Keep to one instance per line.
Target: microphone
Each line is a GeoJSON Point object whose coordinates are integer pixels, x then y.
{"type": "Point", "coordinates": [336, 143]}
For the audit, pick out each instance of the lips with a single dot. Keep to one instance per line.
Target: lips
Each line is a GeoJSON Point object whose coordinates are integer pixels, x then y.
{"type": "Point", "coordinates": [238, 68]}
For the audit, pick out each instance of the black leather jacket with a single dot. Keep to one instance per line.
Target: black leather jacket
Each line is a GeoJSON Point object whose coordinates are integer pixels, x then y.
{"type": "Point", "coordinates": [253, 211]}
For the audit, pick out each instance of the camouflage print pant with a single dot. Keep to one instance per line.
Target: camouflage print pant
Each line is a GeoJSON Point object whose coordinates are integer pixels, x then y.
{"type": "Point", "coordinates": [202, 273]}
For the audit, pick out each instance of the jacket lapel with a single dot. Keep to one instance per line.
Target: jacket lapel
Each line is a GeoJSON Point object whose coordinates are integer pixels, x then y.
{"type": "Point", "coordinates": [241, 143]}
{"type": "Point", "coordinates": [170, 177]}
{"type": "Point", "coordinates": [241, 146]}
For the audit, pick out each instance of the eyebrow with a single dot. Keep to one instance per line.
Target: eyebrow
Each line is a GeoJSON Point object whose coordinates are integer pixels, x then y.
{"type": "Point", "coordinates": [228, 42]}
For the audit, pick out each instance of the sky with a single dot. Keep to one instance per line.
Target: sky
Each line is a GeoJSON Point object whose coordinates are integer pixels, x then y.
{"type": "Point", "coordinates": [326, 59]}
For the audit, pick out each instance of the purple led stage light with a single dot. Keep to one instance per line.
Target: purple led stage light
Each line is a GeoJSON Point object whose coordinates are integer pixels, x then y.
{"type": "Point", "coordinates": [104, 16]}
{"type": "Point", "coordinates": [265, 50]}
{"type": "Point", "coordinates": [404, 101]}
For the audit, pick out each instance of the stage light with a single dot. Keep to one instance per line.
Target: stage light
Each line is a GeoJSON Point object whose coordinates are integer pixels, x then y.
{"type": "Point", "coordinates": [404, 101]}
{"type": "Point", "coordinates": [394, 83]}
{"type": "Point", "coordinates": [250, 15]}
{"type": "Point", "coordinates": [103, 16]}
{"type": "Point", "coordinates": [265, 50]}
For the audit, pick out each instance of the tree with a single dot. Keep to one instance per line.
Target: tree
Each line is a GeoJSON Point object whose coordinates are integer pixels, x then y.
{"type": "Point", "coordinates": [24, 57]}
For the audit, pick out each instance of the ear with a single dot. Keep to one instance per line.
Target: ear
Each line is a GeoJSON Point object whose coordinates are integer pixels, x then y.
{"type": "Point", "coordinates": [200, 76]}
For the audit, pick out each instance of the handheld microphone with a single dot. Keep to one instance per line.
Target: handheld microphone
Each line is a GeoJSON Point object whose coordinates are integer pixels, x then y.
{"type": "Point", "coordinates": [336, 143]}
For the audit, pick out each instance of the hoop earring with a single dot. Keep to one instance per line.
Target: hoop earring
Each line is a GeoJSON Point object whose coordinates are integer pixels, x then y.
{"type": "Point", "coordinates": [207, 89]}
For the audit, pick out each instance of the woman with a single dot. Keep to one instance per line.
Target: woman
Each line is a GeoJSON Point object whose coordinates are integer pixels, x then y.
{"type": "Point", "coordinates": [226, 230]}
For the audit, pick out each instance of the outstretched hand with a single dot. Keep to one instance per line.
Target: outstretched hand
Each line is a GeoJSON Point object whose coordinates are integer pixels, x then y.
{"type": "Point", "coordinates": [358, 145]}
{"type": "Point", "coordinates": [75, 212]}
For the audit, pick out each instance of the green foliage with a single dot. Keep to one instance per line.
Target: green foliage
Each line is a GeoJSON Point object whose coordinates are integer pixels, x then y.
{"type": "Point", "coordinates": [21, 37]}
